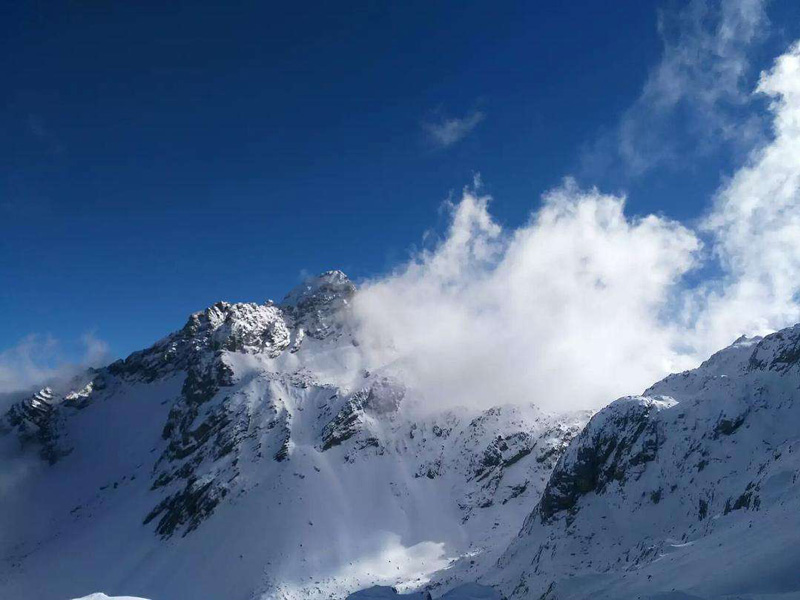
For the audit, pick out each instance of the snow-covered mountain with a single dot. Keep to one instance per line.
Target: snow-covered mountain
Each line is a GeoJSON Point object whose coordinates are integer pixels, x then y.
{"type": "Point", "coordinates": [688, 491]}
{"type": "Point", "coordinates": [256, 453]}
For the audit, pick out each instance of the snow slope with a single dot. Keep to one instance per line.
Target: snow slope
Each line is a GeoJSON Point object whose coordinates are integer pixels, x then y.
{"type": "Point", "coordinates": [101, 596]}
{"type": "Point", "coordinates": [688, 491]}
{"type": "Point", "coordinates": [256, 453]}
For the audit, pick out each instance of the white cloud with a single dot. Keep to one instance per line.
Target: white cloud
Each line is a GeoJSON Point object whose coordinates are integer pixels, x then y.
{"type": "Point", "coordinates": [583, 303]}
{"type": "Point", "coordinates": [446, 132]}
{"type": "Point", "coordinates": [38, 360]}
{"type": "Point", "coordinates": [557, 312]}
{"type": "Point", "coordinates": [755, 221]}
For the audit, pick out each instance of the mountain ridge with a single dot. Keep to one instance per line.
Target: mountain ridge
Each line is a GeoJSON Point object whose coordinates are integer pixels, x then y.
{"type": "Point", "coordinates": [242, 441]}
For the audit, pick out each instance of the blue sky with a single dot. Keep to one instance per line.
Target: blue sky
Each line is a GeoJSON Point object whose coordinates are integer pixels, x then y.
{"type": "Point", "coordinates": [157, 159]}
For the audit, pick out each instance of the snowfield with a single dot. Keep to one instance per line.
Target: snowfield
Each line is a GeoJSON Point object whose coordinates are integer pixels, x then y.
{"type": "Point", "coordinates": [257, 454]}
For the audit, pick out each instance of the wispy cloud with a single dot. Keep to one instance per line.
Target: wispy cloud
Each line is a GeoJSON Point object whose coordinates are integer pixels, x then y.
{"type": "Point", "coordinates": [755, 223]}
{"type": "Point", "coordinates": [694, 99]}
{"type": "Point", "coordinates": [445, 132]}
{"type": "Point", "coordinates": [38, 360]}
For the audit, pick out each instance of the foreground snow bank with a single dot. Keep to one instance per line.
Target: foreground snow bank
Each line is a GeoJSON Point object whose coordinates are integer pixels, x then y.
{"type": "Point", "coordinates": [101, 596]}
{"type": "Point", "coordinates": [469, 591]}
{"type": "Point", "coordinates": [385, 592]}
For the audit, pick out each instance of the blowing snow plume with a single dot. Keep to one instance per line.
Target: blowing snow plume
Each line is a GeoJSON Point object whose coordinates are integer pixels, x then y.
{"type": "Point", "coordinates": [584, 304]}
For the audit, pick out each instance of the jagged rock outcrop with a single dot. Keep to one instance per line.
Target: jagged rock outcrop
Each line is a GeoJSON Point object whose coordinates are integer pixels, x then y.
{"type": "Point", "coordinates": [613, 447]}
{"type": "Point", "coordinates": [382, 398]}
{"type": "Point", "coordinates": [314, 304]}
{"type": "Point", "coordinates": [315, 308]}
{"type": "Point", "coordinates": [35, 420]}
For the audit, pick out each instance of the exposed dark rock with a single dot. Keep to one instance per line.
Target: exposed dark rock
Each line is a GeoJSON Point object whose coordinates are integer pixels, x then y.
{"type": "Point", "coordinates": [36, 420]}
{"type": "Point", "coordinates": [604, 452]}
{"type": "Point", "coordinates": [728, 426]}
{"type": "Point", "coordinates": [191, 440]}
{"type": "Point", "coordinates": [347, 421]}
{"type": "Point", "coordinates": [312, 304]}
{"type": "Point", "coordinates": [516, 491]}
{"type": "Point", "coordinates": [188, 507]}
{"type": "Point", "coordinates": [283, 452]}
{"type": "Point", "coordinates": [383, 397]}
{"type": "Point", "coordinates": [702, 511]}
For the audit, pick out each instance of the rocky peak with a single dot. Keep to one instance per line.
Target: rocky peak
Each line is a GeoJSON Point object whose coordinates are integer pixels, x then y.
{"type": "Point", "coordinates": [314, 304]}
{"type": "Point", "coordinates": [31, 413]}
{"type": "Point", "coordinates": [312, 308]}
{"type": "Point", "coordinates": [34, 421]}
{"type": "Point", "coordinates": [325, 288]}
{"type": "Point", "coordinates": [241, 327]}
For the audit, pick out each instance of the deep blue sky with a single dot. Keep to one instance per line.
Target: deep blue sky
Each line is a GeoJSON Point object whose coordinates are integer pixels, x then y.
{"type": "Point", "coordinates": [157, 159]}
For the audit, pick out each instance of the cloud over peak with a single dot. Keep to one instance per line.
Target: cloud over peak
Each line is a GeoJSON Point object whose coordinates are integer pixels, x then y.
{"type": "Point", "coordinates": [39, 360]}
{"type": "Point", "coordinates": [584, 303]}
